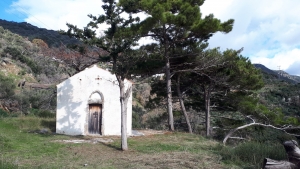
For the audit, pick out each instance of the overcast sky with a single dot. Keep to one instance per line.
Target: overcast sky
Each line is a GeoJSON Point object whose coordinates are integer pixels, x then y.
{"type": "Point", "coordinates": [268, 30]}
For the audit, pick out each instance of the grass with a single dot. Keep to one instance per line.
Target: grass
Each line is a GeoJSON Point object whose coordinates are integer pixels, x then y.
{"type": "Point", "coordinates": [21, 146]}
{"type": "Point", "coordinates": [252, 153]}
{"type": "Point", "coordinates": [19, 143]}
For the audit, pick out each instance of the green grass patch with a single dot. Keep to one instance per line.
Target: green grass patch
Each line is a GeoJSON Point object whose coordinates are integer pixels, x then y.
{"type": "Point", "coordinates": [157, 147]}
{"type": "Point", "coordinates": [251, 154]}
{"type": "Point", "coordinates": [175, 142]}
{"type": "Point", "coordinates": [30, 123]}
{"type": "Point", "coordinates": [7, 165]}
{"type": "Point", "coordinates": [22, 146]}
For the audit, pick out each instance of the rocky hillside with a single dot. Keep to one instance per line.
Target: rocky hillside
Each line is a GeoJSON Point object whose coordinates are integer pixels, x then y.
{"type": "Point", "coordinates": [280, 74]}
{"type": "Point", "coordinates": [281, 91]}
{"type": "Point", "coordinates": [26, 30]}
{"type": "Point", "coordinates": [28, 76]}
{"type": "Point", "coordinates": [283, 74]}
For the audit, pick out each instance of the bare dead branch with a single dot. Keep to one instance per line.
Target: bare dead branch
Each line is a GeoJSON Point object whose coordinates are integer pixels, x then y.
{"type": "Point", "coordinates": [283, 129]}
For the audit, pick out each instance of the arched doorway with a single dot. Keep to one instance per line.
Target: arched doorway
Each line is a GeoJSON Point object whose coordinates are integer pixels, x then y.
{"type": "Point", "coordinates": [95, 113]}
{"type": "Point", "coordinates": [95, 119]}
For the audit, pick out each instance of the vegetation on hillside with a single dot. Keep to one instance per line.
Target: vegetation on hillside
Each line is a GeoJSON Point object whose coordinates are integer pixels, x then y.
{"type": "Point", "coordinates": [30, 32]}
{"type": "Point", "coordinates": [28, 77]}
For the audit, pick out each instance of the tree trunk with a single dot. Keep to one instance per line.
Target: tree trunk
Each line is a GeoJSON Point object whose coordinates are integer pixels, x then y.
{"type": "Point", "coordinates": [168, 81]}
{"type": "Point", "coordinates": [207, 94]}
{"type": "Point", "coordinates": [124, 96]}
{"type": "Point", "coordinates": [293, 152]}
{"type": "Point", "coordinates": [182, 105]}
{"type": "Point", "coordinates": [273, 164]}
{"type": "Point", "coordinates": [169, 95]}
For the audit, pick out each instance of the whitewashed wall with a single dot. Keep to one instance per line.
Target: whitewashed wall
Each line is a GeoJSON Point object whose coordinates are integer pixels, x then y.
{"type": "Point", "coordinates": [73, 107]}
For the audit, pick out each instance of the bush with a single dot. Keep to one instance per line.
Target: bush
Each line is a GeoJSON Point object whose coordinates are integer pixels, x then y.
{"type": "Point", "coordinates": [40, 42]}
{"type": "Point", "coordinates": [3, 113]}
{"type": "Point", "coordinates": [251, 154]}
{"type": "Point", "coordinates": [14, 52]}
{"type": "Point", "coordinates": [42, 113]}
{"type": "Point", "coordinates": [157, 122]}
{"type": "Point", "coordinates": [6, 87]}
{"type": "Point", "coordinates": [17, 55]}
{"type": "Point", "coordinates": [137, 113]}
{"type": "Point", "coordinates": [36, 99]}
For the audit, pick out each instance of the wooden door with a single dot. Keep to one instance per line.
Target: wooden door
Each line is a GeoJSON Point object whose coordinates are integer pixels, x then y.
{"type": "Point", "coordinates": [95, 118]}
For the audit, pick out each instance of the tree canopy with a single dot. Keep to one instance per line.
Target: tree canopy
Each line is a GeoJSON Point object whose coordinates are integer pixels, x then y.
{"type": "Point", "coordinates": [175, 24]}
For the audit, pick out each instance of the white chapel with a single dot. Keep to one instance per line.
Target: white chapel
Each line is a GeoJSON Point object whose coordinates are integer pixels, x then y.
{"type": "Point", "coordinates": [88, 103]}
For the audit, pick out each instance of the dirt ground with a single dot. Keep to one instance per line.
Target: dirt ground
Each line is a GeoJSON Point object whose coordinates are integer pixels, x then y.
{"type": "Point", "coordinates": [106, 155]}
{"type": "Point", "coordinates": [109, 139]}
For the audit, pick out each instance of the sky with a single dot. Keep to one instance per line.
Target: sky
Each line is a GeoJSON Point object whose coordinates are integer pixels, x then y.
{"type": "Point", "coordinates": [268, 30]}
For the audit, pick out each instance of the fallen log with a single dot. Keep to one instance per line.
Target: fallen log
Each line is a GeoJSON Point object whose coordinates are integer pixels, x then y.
{"type": "Point", "coordinates": [293, 153]}
{"type": "Point", "coordinates": [273, 164]}
{"type": "Point", "coordinates": [34, 85]}
{"type": "Point", "coordinates": [38, 86]}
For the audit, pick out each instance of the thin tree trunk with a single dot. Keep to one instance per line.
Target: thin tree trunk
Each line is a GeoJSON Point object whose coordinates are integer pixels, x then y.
{"type": "Point", "coordinates": [123, 101]}
{"type": "Point", "coordinates": [169, 89]}
{"type": "Point", "coordinates": [169, 96]}
{"type": "Point", "coordinates": [182, 105]}
{"type": "Point", "coordinates": [207, 109]}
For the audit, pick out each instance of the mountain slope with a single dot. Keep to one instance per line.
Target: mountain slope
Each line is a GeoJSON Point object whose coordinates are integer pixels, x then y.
{"type": "Point", "coordinates": [279, 74]}
{"type": "Point", "coordinates": [32, 74]}
{"type": "Point", "coordinates": [281, 91]}
{"type": "Point", "coordinates": [52, 38]}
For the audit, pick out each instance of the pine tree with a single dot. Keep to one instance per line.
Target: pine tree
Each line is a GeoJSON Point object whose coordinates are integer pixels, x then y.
{"type": "Point", "coordinates": [223, 71]}
{"type": "Point", "coordinates": [117, 41]}
{"type": "Point", "coordinates": [173, 24]}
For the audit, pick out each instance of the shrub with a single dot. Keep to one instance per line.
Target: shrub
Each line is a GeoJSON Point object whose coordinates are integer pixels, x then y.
{"type": "Point", "coordinates": [17, 55]}
{"type": "Point", "coordinates": [22, 72]}
{"type": "Point", "coordinates": [42, 113]}
{"type": "Point", "coordinates": [137, 113]}
{"type": "Point", "coordinates": [251, 154]}
{"type": "Point", "coordinates": [37, 99]}
{"type": "Point", "coordinates": [157, 122]}
{"type": "Point", "coordinates": [3, 113]}
{"type": "Point", "coordinates": [14, 52]}
{"type": "Point", "coordinates": [6, 87]}
{"type": "Point", "coordinates": [40, 42]}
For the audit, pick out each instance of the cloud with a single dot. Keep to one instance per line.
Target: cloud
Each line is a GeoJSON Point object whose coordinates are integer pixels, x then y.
{"type": "Point", "coordinates": [268, 30]}
{"type": "Point", "coordinates": [288, 61]}
{"type": "Point", "coordinates": [55, 14]}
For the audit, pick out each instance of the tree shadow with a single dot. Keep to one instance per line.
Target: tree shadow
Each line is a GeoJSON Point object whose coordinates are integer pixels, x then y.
{"type": "Point", "coordinates": [51, 124]}
{"type": "Point", "coordinates": [66, 116]}
{"type": "Point", "coordinates": [112, 146]}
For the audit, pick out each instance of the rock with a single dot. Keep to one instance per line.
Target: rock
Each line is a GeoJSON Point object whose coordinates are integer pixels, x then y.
{"type": "Point", "coordinates": [136, 133]}
{"type": "Point", "coordinates": [43, 131]}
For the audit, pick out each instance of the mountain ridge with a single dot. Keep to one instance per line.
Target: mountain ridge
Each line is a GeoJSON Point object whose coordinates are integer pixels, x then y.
{"type": "Point", "coordinates": [26, 30]}
{"type": "Point", "coordinates": [280, 74]}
